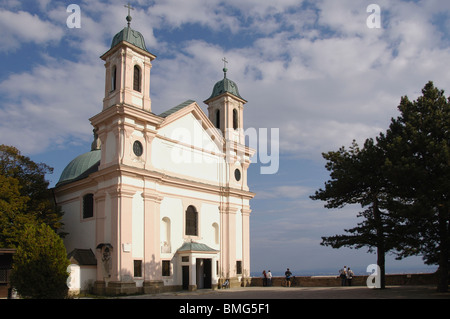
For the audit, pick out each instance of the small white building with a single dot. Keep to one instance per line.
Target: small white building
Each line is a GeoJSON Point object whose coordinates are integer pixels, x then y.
{"type": "Point", "coordinates": [162, 201]}
{"type": "Point", "coordinates": [82, 270]}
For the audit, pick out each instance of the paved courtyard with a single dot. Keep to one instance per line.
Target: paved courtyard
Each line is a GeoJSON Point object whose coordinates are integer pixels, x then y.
{"type": "Point", "coordinates": [258, 293]}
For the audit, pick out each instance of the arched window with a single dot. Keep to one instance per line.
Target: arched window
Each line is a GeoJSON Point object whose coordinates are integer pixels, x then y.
{"type": "Point", "coordinates": [165, 235]}
{"type": "Point", "coordinates": [235, 119]}
{"type": "Point", "coordinates": [113, 78]}
{"type": "Point", "coordinates": [191, 221]}
{"type": "Point", "coordinates": [216, 233]}
{"type": "Point", "coordinates": [88, 206]}
{"type": "Point", "coordinates": [218, 119]}
{"type": "Point", "coordinates": [137, 79]}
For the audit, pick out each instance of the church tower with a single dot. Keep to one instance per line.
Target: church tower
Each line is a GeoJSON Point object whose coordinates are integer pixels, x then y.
{"type": "Point", "coordinates": [226, 112]}
{"type": "Point", "coordinates": [226, 109]}
{"type": "Point", "coordinates": [128, 64]}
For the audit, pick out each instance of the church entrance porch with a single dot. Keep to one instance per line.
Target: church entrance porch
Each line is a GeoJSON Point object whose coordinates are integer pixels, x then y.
{"type": "Point", "coordinates": [198, 275]}
{"type": "Point", "coordinates": [198, 266]}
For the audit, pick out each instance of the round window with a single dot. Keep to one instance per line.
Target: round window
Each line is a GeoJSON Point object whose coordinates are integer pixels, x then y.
{"type": "Point", "coordinates": [237, 174]}
{"type": "Point", "coordinates": [137, 148]}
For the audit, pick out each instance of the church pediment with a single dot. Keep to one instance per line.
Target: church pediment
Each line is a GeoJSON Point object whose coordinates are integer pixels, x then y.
{"type": "Point", "coordinates": [188, 124]}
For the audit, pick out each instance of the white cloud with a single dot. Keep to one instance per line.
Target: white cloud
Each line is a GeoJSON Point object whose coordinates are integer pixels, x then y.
{"type": "Point", "coordinates": [51, 104]}
{"type": "Point", "coordinates": [22, 27]}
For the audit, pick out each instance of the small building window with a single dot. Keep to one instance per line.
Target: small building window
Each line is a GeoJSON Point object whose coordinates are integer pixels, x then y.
{"type": "Point", "coordinates": [137, 79]}
{"type": "Point", "coordinates": [166, 267]}
{"type": "Point", "coordinates": [191, 221]}
{"type": "Point", "coordinates": [137, 268]}
{"type": "Point", "coordinates": [88, 206]}
{"type": "Point", "coordinates": [235, 119]}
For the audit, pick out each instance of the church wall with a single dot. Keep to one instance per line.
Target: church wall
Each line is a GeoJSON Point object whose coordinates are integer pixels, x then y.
{"type": "Point", "coordinates": [210, 216]}
{"type": "Point", "coordinates": [110, 147]}
{"type": "Point", "coordinates": [181, 160]}
{"type": "Point", "coordinates": [81, 232]}
{"type": "Point", "coordinates": [172, 210]}
{"type": "Point", "coordinates": [188, 193]}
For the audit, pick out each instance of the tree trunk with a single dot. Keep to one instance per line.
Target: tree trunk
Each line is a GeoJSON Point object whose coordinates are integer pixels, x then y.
{"type": "Point", "coordinates": [381, 251]}
{"type": "Point", "coordinates": [443, 249]}
{"type": "Point", "coordinates": [381, 263]}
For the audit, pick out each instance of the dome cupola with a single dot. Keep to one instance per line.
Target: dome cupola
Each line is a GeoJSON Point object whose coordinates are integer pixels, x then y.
{"type": "Point", "coordinates": [225, 86]}
{"type": "Point", "coordinates": [131, 36]}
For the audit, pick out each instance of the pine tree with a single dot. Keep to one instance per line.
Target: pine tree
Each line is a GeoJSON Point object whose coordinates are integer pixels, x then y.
{"type": "Point", "coordinates": [418, 164]}
{"type": "Point", "coordinates": [357, 178]}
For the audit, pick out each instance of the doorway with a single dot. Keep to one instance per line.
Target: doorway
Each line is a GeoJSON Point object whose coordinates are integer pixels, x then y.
{"type": "Point", "coordinates": [185, 270]}
{"type": "Point", "coordinates": [203, 272]}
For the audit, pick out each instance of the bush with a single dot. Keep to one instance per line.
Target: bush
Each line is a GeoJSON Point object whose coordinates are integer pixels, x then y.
{"type": "Point", "coordinates": [40, 264]}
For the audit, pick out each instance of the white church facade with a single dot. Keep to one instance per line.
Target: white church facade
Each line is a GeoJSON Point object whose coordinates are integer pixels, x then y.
{"type": "Point", "coordinates": [161, 202]}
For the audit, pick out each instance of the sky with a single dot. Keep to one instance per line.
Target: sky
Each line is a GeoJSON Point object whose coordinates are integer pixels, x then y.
{"type": "Point", "coordinates": [323, 73]}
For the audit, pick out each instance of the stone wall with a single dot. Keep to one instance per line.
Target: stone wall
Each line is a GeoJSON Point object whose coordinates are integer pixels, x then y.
{"type": "Point", "coordinates": [335, 281]}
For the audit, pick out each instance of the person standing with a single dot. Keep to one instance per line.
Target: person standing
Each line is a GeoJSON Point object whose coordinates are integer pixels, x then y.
{"type": "Point", "coordinates": [343, 276]}
{"type": "Point", "coordinates": [264, 278]}
{"type": "Point", "coordinates": [269, 278]}
{"type": "Point", "coordinates": [350, 275]}
{"type": "Point", "coordinates": [288, 275]}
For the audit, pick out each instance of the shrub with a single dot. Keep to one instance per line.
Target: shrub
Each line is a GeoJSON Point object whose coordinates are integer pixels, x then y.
{"type": "Point", "coordinates": [40, 264]}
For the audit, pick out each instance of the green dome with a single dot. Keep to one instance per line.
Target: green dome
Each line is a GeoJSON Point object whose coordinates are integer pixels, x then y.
{"type": "Point", "coordinates": [131, 36]}
{"type": "Point", "coordinates": [223, 86]}
{"type": "Point", "coordinates": [80, 167]}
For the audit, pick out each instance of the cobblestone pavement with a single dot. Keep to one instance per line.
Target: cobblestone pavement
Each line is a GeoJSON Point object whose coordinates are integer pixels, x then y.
{"type": "Point", "coordinates": [391, 292]}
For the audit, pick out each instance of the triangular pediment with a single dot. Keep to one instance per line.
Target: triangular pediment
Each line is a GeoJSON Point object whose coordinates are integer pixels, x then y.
{"type": "Point", "coordinates": [188, 123]}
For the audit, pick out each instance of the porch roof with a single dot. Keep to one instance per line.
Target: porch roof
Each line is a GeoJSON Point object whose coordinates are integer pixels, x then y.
{"type": "Point", "coordinates": [192, 246]}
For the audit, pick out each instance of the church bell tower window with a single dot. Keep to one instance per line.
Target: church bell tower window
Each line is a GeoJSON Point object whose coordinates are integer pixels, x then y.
{"type": "Point", "coordinates": [218, 119]}
{"type": "Point", "coordinates": [235, 119]}
{"type": "Point", "coordinates": [113, 78]}
{"type": "Point", "coordinates": [137, 79]}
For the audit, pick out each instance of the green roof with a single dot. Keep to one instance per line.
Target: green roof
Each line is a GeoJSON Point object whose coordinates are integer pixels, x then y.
{"type": "Point", "coordinates": [193, 246]}
{"type": "Point", "coordinates": [176, 108]}
{"type": "Point", "coordinates": [131, 36]}
{"type": "Point", "coordinates": [81, 167]}
{"type": "Point", "coordinates": [225, 86]}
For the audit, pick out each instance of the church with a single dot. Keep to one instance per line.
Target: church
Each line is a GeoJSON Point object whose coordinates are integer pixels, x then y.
{"type": "Point", "coordinates": [161, 202]}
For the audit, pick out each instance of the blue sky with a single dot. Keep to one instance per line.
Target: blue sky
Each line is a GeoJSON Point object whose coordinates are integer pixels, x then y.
{"type": "Point", "coordinates": [312, 69]}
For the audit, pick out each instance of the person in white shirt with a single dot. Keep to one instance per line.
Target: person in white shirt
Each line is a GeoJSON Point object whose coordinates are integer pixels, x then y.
{"type": "Point", "coordinates": [269, 278]}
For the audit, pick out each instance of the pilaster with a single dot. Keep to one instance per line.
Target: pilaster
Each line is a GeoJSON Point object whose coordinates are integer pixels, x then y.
{"type": "Point", "coordinates": [152, 246]}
